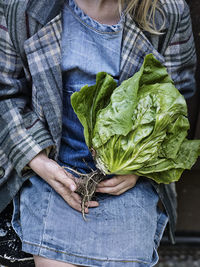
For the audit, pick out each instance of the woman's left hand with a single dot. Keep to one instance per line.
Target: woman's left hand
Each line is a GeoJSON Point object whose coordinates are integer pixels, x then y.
{"type": "Point", "coordinates": [117, 184]}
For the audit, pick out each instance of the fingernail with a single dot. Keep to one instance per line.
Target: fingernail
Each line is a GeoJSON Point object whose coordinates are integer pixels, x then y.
{"type": "Point", "coordinates": [72, 187]}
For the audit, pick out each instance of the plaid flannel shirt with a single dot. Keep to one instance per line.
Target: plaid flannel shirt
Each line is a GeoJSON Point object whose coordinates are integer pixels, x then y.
{"type": "Point", "coordinates": [31, 80]}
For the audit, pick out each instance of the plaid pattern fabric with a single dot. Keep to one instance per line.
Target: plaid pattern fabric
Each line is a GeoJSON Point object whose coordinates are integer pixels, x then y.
{"type": "Point", "coordinates": [44, 59]}
{"type": "Point", "coordinates": [180, 54]}
{"type": "Point", "coordinates": [25, 131]}
{"type": "Point", "coordinates": [23, 135]}
{"type": "Point", "coordinates": [175, 48]}
{"type": "Point", "coordinates": [135, 47]}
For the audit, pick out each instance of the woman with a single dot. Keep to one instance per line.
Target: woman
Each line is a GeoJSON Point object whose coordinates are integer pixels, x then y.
{"type": "Point", "coordinates": [50, 49]}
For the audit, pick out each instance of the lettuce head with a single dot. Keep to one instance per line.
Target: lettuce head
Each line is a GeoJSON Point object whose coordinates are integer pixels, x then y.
{"type": "Point", "coordinates": [139, 127]}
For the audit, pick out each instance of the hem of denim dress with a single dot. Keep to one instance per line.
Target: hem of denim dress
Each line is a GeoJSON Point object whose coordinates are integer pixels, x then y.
{"type": "Point", "coordinates": [47, 251]}
{"type": "Point", "coordinates": [58, 255]}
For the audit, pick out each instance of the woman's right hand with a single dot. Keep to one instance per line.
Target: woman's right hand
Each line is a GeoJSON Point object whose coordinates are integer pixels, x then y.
{"type": "Point", "coordinates": [59, 179]}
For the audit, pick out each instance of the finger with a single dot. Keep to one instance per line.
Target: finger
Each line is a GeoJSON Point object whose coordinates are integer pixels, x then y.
{"type": "Point", "coordinates": [111, 189]}
{"type": "Point", "coordinates": [72, 198]}
{"type": "Point", "coordinates": [115, 192]}
{"type": "Point", "coordinates": [76, 202]}
{"type": "Point", "coordinates": [123, 190]}
{"type": "Point", "coordinates": [76, 197]}
{"type": "Point", "coordinates": [116, 180]}
{"type": "Point", "coordinates": [111, 182]}
{"type": "Point", "coordinates": [122, 187]}
{"type": "Point", "coordinates": [66, 179]}
{"type": "Point", "coordinates": [92, 204]}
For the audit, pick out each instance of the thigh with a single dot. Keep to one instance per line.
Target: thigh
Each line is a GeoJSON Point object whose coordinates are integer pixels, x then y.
{"type": "Point", "coordinates": [44, 262]}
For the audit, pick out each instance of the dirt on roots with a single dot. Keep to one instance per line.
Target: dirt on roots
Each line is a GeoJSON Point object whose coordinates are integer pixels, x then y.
{"type": "Point", "coordinates": [86, 186]}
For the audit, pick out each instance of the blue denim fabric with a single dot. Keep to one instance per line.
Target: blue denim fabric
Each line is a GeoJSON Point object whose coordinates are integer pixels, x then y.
{"type": "Point", "coordinates": [124, 231]}
{"type": "Point", "coordinates": [88, 47]}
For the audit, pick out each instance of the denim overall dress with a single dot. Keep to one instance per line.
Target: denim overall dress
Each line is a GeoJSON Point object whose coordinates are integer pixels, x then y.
{"type": "Point", "coordinates": [124, 230]}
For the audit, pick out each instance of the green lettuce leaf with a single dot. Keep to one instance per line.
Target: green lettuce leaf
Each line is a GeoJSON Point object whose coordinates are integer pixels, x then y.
{"type": "Point", "coordinates": [138, 127]}
{"type": "Point", "coordinates": [90, 99]}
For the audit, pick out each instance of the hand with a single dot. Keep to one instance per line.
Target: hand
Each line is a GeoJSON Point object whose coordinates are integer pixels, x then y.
{"type": "Point", "coordinates": [117, 184]}
{"type": "Point", "coordinates": [59, 179]}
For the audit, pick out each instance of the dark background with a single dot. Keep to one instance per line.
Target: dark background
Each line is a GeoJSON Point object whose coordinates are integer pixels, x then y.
{"type": "Point", "coordinates": [188, 187]}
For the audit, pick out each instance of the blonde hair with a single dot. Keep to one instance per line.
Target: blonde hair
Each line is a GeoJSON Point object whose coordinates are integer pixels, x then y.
{"type": "Point", "coordinates": [143, 12]}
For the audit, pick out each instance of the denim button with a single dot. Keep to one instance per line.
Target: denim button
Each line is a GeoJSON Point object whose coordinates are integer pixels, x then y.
{"type": "Point", "coordinates": [2, 172]}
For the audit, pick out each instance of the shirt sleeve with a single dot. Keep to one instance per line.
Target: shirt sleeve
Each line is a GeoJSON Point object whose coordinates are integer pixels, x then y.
{"type": "Point", "coordinates": [22, 134]}
{"type": "Point", "coordinates": [180, 55]}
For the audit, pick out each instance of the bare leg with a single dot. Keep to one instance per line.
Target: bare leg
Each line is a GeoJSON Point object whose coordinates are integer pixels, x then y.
{"type": "Point", "coordinates": [44, 262]}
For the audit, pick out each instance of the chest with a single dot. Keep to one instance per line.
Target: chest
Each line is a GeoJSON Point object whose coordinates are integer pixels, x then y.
{"type": "Point", "coordinates": [94, 48]}
{"type": "Point", "coordinates": [43, 54]}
